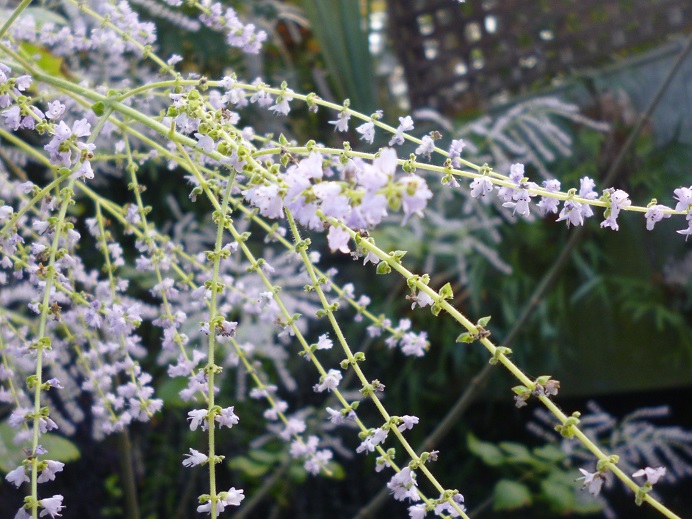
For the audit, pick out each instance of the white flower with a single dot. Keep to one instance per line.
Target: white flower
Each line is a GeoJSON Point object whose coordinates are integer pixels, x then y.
{"type": "Point", "coordinates": [17, 476]}
{"type": "Point", "coordinates": [51, 506]}
{"type": "Point", "coordinates": [481, 186]}
{"type": "Point", "coordinates": [407, 422]}
{"type": "Point", "coordinates": [652, 475]}
{"type": "Point", "coordinates": [194, 458]}
{"type": "Point", "coordinates": [324, 343]}
{"type": "Point", "coordinates": [338, 239]}
{"type": "Point", "coordinates": [655, 214]}
{"type": "Point", "coordinates": [197, 417]}
{"type": "Point", "coordinates": [227, 417]}
{"type": "Point", "coordinates": [48, 473]}
{"type": "Point", "coordinates": [341, 123]}
{"type": "Point", "coordinates": [592, 480]}
{"type": "Point", "coordinates": [329, 382]}
{"type": "Point", "coordinates": [367, 131]}
{"type": "Point", "coordinates": [403, 485]}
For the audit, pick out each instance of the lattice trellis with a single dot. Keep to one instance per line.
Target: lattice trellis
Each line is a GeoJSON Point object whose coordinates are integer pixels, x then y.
{"type": "Point", "coordinates": [456, 56]}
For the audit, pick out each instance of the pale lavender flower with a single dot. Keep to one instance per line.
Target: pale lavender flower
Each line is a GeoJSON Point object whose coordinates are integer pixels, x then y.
{"type": "Point", "coordinates": [324, 343]}
{"type": "Point", "coordinates": [403, 485]}
{"type": "Point", "coordinates": [197, 417]}
{"type": "Point", "coordinates": [407, 422]}
{"type": "Point", "coordinates": [227, 418]}
{"type": "Point", "coordinates": [652, 475]}
{"type": "Point", "coordinates": [586, 190]}
{"type": "Point", "coordinates": [17, 476]}
{"type": "Point", "coordinates": [51, 506]}
{"type": "Point", "coordinates": [282, 107]}
{"type": "Point", "coordinates": [572, 213]}
{"type": "Point", "coordinates": [405, 125]}
{"type": "Point", "coordinates": [426, 147]}
{"type": "Point", "coordinates": [194, 458]}
{"type": "Point", "coordinates": [421, 299]}
{"type": "Point", "coordinates": [592, 480]}
{"type": "Point", "coordinates": [366, 446]}
{"type": "Point", "coordinates": [294, 426]}
{"type": "Point", "coordinates": [547, 204]}
{"type": "Point", "coordinates": [338, 239]}
{"type": "Point", "coordinates": [341, 123]}
{"type": "Point", "coordinates": [414, 197]}
{"type": "Point", "coordinates": [481, 186]}
{"type": "Point", "coordinates": [655, 214]}
{"type": "Point", "coordinates": [618, 200]}
{"type": "Point", "coordinates": [684, 197]}
{"type": "Point", "coordinates": [329, 382]}
{"type": "Point", "coordinates": [48, 473]}
{"type": "Point", "coordinates": [367, 131]}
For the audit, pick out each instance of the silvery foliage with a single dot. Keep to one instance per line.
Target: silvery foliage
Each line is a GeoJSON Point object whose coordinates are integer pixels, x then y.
{"type": "Point", "coordinates": [635, 438]}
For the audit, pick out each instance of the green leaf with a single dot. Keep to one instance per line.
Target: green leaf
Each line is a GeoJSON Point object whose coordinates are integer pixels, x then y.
{"type": "Point", "coordinates": [517, 452]}
{"type": "Point", "coordinates": [446, 292]}
{"type": "Point", "coordinates": [336, 469]}
{"type": "Point", "coordinates": [169, 392]}
{"type": "Point", "coordinates": [510, 495]}
{"type": "Point", "coordinates": [465, 337]}
{"type": "Point", "coordinates": [383, 268]}
{"type": "Point", "coordinates": [560, 496]}
{"type": "Point", "coordinates": [11, 456]}
{"type": "Point", "coordinates": [339, 28]}
{"type": "Point", "coordinates": [249, 467]}
{"type": "Point", "coordinates": [488, 452]}
{"type": "Point", "coordinates": [549, 453]}
{"type": "Point", "coordinates": [483, 321]}
{"type": "Point", "coordinates": [266, 457]}
{"type": "Point", "coordinates": [46, 60]}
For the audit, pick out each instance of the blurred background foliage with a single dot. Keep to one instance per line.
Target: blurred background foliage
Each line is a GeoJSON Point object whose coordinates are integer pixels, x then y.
{"type": "Point", "coordinates": [615, 323]}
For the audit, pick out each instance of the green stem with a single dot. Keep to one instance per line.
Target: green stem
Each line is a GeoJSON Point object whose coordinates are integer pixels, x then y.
{"type": "Point", "coordinates": [15, 14]}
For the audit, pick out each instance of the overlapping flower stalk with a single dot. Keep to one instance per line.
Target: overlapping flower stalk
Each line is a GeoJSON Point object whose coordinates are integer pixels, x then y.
{"type": "Point", "coordinates": [146, 237]}
{"type": "Point", "coordinates": [46, 278]}
{"type": "Point", "coordinates": [268, 188]}
{"type": "Point", "coordinates": [333, 222]}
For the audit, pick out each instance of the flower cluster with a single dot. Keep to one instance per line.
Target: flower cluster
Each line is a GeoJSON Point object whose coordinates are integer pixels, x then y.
{"type": "Point", "coordinates": [76, 289]}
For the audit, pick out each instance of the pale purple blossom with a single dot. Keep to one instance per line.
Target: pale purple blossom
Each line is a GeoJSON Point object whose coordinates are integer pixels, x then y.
{"type": "Point", "coordinates": [427, 146]}
{"type": "Point", "coordinates": [572, 213]}
{"type": "Point", "coordinates": [17, 476]}
{"type": "Point", "coordinates": [367, 131]}
{"type": "Point", "coordinates": [407, 422]}
{"type": "Point", "coordinates": [652, 475]}
{"type": "Point", "coordinates": [547, 204]}
{"type": "Point", "coordinates": [338, 239]}
{"type": "Point", "coordinates": [446, 507]}
{"type": "Point", "coordinates": [341, 122]}
{"type": "Point", "coordinates": [481, 186]}
{"type": "Point", "coordinates": [324, 342]}
{"type": "Point", "coordinates": [194, 458]}
{"type": "Point", "coordinates": [618, 200]}
{"type": "Point", "coordinates": [49, 471]}
{"type": "Point", "coordinates": [655, 214]}
{"type": "Point", "coordinates": [329, 382]}
{"type": "Point", "coordinates": [282, 107]}
{"type": "Point", "coordinates": [197, 417]}
{"type": "Point", "coordinates": [405, 125]}
{"type": "Point", "coordinates": [227, 418]}
{"type": "Point", "coordinates": [51, 506]}
{"type": "Point", "coordinates": [404, 486]}
{"type": "Point", "coordinates": [415, 196]}
{"type": "Point", "coordinates": [593, 481]}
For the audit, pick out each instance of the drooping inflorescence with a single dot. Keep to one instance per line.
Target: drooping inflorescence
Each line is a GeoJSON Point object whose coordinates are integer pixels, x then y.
{"type": "Point", "coordinates": [70, 322]}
